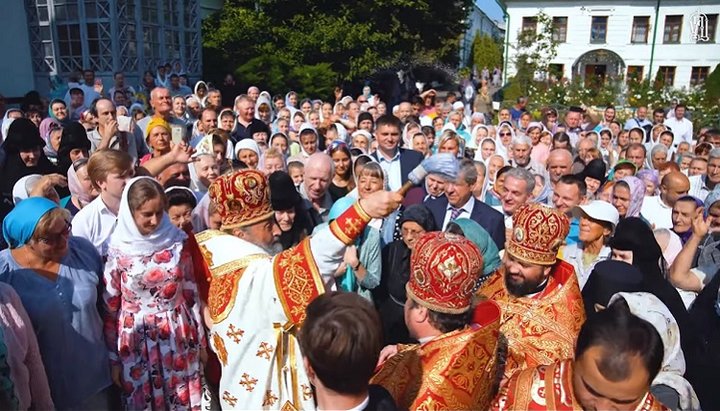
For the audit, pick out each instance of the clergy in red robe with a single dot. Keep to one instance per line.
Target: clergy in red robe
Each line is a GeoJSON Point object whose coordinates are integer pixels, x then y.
{"type": "Point", "coordinates": [454, 367]}
{"type": "Point", "coordinates": [542, 307]}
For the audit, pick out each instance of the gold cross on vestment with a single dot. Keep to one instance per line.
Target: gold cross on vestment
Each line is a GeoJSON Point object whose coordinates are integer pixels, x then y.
{"type": "Point", "coordinates": [248, 382]}
{"type": "Point", "coordinates": [234, 334]}
{"type": "Point", "coordinates": [229, 399]}
{"type": "Point", "coordinates": [265, 350]}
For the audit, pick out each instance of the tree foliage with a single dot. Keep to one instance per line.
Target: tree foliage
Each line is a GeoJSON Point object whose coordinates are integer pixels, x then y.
{"type": "Point", "coordinates": [534, 51]}
{"type": "Point", "coordinates": [486, 52]}
{"type": "Point", "coordinates": [344, 39]}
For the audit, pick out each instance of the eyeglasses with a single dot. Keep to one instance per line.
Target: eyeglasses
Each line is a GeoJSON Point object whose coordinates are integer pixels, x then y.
{"type": "Point", "coordinates": [505, 134]}
{"type": "Point", "coordinates": [362, 101]}
{"type": "Point", "coordinates": [55, 238]}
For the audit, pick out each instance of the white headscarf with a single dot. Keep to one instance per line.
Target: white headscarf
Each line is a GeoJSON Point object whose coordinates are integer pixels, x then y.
{"type": "Point", "coordinates": [247, 144]}
{"type": "Point", "coordinates": [473, 139]}
{"type": "Point", "coordinates": [651, 309]}
{"type": "Point", "coordinates": [264, 98]}
{"type": "Point", "coordinates": [127, 238]}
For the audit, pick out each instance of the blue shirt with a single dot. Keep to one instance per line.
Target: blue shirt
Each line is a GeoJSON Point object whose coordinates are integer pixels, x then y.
{"type": "Point", "coordinates": [392, 169]}
{"type": "Point", "coordinates": [574, 232]}
{"type": "Point", "coordinates": [66, 321]}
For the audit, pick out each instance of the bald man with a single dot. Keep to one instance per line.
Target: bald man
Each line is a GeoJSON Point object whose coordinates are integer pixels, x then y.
{"type": "Point", "coordinates": [657, 210]}
{"type": "Point", "coordinates": [559, 163]}
{"type": "Point", "coordinates": [314, 189]}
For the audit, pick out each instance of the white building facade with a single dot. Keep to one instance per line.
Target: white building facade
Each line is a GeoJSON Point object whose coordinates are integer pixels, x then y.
{"type": "Point", "coordinates": [620, 38]}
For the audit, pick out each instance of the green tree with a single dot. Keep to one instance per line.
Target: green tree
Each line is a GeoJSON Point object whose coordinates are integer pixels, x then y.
{"type": "Point", "coordinates": [485, 52]}
{"type": "Point", "coordinates": [534, 52]}
{"type": "Point", "coordinates": [344, 39]}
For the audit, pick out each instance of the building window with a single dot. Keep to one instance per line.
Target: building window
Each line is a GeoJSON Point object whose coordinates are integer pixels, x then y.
{"type": "Point", "coordinates": [69, 40]}
{"type": "Point", "coordinates": [640, 29]}
{"type": "Point", "coordinates": [673, 28]}
{"type": "Point", "coordinates": [712, 20]}
{"type": "Point", "coordinates": [598, 30]}
{"type": "Point", "coordinates": [559, 26]}
{"type": "Point", "coordinates": [667, 73]}
{"type": "Point", "coordinates": [698, 75]}
{"type": "Point", "coordinates": [529, 24]}
{"type": "Point", "coordinates": [635, 73]}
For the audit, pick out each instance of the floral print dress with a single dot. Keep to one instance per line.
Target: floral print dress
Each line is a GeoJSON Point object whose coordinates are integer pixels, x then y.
{"type": "Point", "coordinates": [153, 328]}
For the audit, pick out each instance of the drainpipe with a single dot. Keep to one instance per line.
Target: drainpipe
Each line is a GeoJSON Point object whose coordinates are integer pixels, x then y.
{"type": "Point", "coordinates": [506, 17]}
{"type": "Point", "coordinates": [652, 50]}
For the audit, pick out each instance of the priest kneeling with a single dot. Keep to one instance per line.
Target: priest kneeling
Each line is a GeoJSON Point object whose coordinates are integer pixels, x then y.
{"type": "Point", "coordinates": [616, 358]}
{"type": "Point", "coordinates": [454, 367]}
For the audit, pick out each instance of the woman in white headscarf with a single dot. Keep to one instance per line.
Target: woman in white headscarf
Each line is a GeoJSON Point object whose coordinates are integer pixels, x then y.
{"type": "Point", "coordinates": [264, 108]}
{"type": "Point", "coordinates": [503, 140]}
{"type": "Point", "coordinates": [479, 133]}
{"type": "Point", "coordinates": [200, 92]}
{"type": "Point", "coordinates": [153, 325]}
{"type": "Point", "coordinates": [669, 386]}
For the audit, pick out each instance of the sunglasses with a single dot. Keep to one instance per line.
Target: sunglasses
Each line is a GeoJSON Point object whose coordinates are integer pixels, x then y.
{"type": "Point", "coordinates": [505, 134]}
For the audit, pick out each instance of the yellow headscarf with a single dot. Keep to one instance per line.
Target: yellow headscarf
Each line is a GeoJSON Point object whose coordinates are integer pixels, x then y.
{"type": "Point", "coordinates": [157, 122]}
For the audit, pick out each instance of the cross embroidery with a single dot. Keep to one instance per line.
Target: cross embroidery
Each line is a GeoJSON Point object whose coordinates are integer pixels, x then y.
{"type": "Point", "coordinates": [248, 382]}
{"type": "Point", "coordinates": [234, 334]}
{"type": "Point", "coordinates": [306, 392]}
{"type": "Point", "coordinates": [353, 225]}
{"type": "Point", "coordinates": [265, 350]}
{"type": "Point", "coordinates": [229, 399]}
{"type": "Point", "coordinates": [269, 399]}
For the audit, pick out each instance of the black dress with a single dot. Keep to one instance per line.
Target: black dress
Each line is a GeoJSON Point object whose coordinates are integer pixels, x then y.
{"type": "Point", "coordinates": [390, 295]}
{"type": "Point", "coordinates": [337, 192]}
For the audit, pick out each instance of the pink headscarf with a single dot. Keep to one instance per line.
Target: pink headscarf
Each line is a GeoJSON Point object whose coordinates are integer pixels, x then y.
{"type": "Point", "coordinates": [637, 194]}
{"type": "Point", "coordinates": [76, 189]}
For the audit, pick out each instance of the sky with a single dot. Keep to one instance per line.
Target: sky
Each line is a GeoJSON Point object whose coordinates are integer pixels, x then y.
{"type": "Point", "coordinates": [491, 8]}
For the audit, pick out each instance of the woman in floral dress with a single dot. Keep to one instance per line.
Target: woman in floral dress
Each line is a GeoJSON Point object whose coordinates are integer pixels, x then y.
{"type": "Point", "coordinates": [153, 326]}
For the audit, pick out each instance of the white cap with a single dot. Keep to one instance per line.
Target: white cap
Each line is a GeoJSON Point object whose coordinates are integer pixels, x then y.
{"type": "Point", "coordinates": [601, 211]}
{"type": "Point", "coordinates": [458, 105]}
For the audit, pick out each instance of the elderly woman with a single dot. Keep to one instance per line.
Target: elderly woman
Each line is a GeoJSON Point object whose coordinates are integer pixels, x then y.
{"type": "Point", "coordinates": [657, 156]}
{"type": "Point", "coordinates": [57, 277]}
{"type": "Point", "coordinates": [597, 222]}
{"type": "Point", "coordinates": [627, 197]}
{"type": "Point", "coordinates": [390, 296]}
{"type": "Point", "coordinates": [248, 152]}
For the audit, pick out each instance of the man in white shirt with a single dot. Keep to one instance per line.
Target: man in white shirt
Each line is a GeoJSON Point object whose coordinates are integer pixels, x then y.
{"type": "Point", "coordinates": [681, 127]}
{"type": "Point", "coordinates": [519, 185]}
{"type": "Point", "coordinates": [702, 184]}
{"type": "Point", "coordinates": [109, 171]}
{"type": "Point", "coordinates": [657, 210]}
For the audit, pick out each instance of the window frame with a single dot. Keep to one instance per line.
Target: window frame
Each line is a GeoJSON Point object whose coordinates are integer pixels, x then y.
{"type": "Point", "coordinates": [556, 33]}
{"type": "Point", "coordinates": [695, 78]}
{"type": "Point", "coordinates": [667, 36]}
{"type": "Point", "coordinates": [635, 26]}
{"type": "Point", "coordinates": [593, 25]}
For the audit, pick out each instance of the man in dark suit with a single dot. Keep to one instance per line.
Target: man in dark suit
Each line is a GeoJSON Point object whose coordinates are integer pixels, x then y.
{"type": "Point", "coordinates": [396, 162]}
{"type": "Point", "coordinates": [458, 202]}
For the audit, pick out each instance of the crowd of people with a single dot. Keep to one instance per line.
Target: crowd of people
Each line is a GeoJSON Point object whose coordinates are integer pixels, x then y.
{"type": "Point", "coordinates": [220, 249]}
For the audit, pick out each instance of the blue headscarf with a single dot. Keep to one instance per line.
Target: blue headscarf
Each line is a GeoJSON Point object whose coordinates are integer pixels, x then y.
{"type": "Point", "coordinates": [481, 238]}
{"type": "Point", "coordinates": [19, 226]}
{"type": "Point", "coordinates": [712, 198]}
